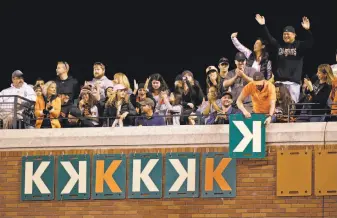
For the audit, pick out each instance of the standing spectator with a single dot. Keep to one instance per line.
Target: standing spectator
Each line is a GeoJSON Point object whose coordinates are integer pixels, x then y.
{"type": "Point", "coordinates": [215, 80]}
{"type": "Point", "coordinates": [212, 104]}
{"type": "Point", "coordinates": [118, 107]}
{"type": "Point", "coordinates": [149, 118]}
{"type": "Point", "coordinates": [19, 88]}
{"type": "Point", "coordinates": [263, 97]}
{"type": "Point", "coordinates": [170, 106]}
{"type": "Point", "coordinates": [221, 116]}
{"type": "Point", "coordinates": [237, 78]}
{"type": "Point", "coordinates": [87, 105]}
{"type": "Point", "coordinates": [290, 55]}
{"type": "Point", "coordinates": [64, 82]}
{"type": "Point", "coordinates": [258, 58]}
{"type": "Point", "coordinates": [317, 93]}
{"type": "Point", "coordinates": [100, 80]}
{"type": "Point", "coordinates": [156, 84]}
{"type": "Point", "coordinates": [223, 67]}
{"type": "Point", "coordinates": [48, 107]}
{"type": "Point", "coordinates": [66, 105]}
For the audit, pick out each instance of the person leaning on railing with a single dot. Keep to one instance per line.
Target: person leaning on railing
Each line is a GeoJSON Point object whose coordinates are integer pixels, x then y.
{"type": "Point", "coordinates": [48, 107]}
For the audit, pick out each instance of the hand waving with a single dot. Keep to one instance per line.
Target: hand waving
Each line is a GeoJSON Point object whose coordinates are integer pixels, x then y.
{"type": "Point", "coordinates": [135, 87]}
{"type": "Point", "coordinates": [234, 35]}
{"type": "Point", "coordinates": [260, 19]}
{"type": "Point", "coordinates": [305, 23]}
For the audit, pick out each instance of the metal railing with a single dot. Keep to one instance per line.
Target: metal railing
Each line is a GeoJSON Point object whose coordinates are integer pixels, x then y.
{"type": "Point", "coordinates": [14, 110]}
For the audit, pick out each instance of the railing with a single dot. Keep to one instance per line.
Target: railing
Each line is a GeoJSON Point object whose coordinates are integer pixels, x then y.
{"type": "Point", "coordinates": [14, 110]}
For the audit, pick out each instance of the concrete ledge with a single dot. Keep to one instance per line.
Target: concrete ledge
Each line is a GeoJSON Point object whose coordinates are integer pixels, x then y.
{"type": "Point", "coordinates": [163, 136]}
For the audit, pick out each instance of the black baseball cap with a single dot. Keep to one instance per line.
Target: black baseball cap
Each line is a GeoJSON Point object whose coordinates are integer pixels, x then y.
{"type": "Point", "coordinates": [240, 56]}
{"type": "Point", "coordinates": [223, 60]}
{"type": "Point", "coordinates": [227, 93]}
{"type": "Point", "coordinates": [290, 29]}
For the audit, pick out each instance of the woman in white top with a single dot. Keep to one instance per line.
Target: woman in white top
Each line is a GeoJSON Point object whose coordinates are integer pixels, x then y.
{"type": "Point", "coordinates": [257, 59]}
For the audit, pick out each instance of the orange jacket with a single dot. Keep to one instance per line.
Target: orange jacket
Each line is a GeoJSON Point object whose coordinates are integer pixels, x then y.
{"type": "Point", "coordinates": [54, 113]}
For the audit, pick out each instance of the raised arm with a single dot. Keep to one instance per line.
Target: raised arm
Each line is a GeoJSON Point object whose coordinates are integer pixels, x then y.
{"type": "Point", "coordinates": [310, 41]}
{"type": "Point", "coordinates": [239, 46]}
{"type": "Point", "coordinates": [260, 19]}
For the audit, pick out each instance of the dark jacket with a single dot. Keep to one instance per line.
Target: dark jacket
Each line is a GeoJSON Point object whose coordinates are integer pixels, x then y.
{"type": "Point", "coordinates": [70, 85]}
{"type": "Point", "coordinates": [289, 62]}
{"type": "Point", "coordinates": [111, 111]}
{"type": "Point", "coordinates": [195, 95]}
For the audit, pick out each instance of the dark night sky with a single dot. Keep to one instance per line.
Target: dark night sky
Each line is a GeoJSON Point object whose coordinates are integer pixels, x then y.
{"type": "Point", "coordinates": [141, 38]}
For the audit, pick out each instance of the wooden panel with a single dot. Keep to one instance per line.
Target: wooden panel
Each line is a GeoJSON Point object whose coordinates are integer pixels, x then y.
{"type": "Point", "coordinates": [325, 172]}
{"type": "Point", "coordinates": [294, 172]}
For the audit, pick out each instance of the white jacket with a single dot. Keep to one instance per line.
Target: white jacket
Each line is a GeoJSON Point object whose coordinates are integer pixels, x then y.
{"type": "Point", "coordinates": [6, 103]}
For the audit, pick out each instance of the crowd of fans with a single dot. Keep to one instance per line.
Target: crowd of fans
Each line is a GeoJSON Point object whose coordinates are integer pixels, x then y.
{"type": "Point", "coordinates": [255, 85]}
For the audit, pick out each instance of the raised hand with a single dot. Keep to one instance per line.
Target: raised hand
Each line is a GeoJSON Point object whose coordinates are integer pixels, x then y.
{"type": "Point", "coordinates": [234, 35]}
{"type": "Point", "coordinates": [305, 23]}
{"type": "Point", "coordinates": [260, 19]}
{"type": "Point", "coordinates": [147, 83]}
{"type": "Point", "coordinates": [135, 87]}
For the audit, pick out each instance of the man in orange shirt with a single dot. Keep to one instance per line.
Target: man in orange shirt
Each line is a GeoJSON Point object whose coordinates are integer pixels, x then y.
{"type": "Point", "coordinates": [263, 96]}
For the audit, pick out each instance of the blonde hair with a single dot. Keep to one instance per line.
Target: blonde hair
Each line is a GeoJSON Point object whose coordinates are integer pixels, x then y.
{"type": "Point", "coordinates": [326, 69]}
{"type": "Point", "coordinates": [122, 79]}
{"type": "Point", "coordinates": [46, 87]}
{"type": "Point", "coordinates": [113, 100]}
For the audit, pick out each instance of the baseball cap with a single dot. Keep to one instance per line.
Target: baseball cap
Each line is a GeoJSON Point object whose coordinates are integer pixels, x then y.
{"type": "Point", "coordinates": [258, 76]}
{"type": "Point", "coordinates": [227, 93]}
{"type": "Point", "coordinates": [289, 29]}
{"type": "Point", "coordinates": [147, 101]}
{"type": "Point", "coordinates": [240, 56]}
{"type": "Point", "coordinates": [224, 60]}
{"type": "Point", "coordinates": [17, 73]}
{"type": "Point", "coordinates": [75, 112]}
{"type": "Point", "coordinates": [211, 69]}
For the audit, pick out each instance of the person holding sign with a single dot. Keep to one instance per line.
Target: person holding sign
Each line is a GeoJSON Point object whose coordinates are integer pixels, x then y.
{"type": "Point", "coordinates": [263, 96]}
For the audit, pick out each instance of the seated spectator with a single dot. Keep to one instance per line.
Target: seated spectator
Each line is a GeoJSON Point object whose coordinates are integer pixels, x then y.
{"type": "Point", "coordinates": [100, 80]}
{"type": "Point", "coordinates": [66, 105]}
{"type": "Point", "coordinates": [48, 107]}
{"type": "Point", "coordinates": [19, 88]}
{"type": "Point", "coordinates": [108, 92]}
{"type": "Point", "coordinates": [38, 90]}
{"type": "Point", "coordinates": [214, 79]}
{"type": "Point", "coordinates": [263, 97]}
{"type": "Point", "coordinates": [118, 107]}
{"type": "Point", "coordinates": [237, 78]}
{"type": "Point", "coordinates": [149, 118]}
{"type": "Point", "coordinates": [156, 84]}
{"type": "Point", "coordinates": [171, 108]}
{"type": "Point", "coordinates": [39, 82]}
{"type": "Point", "coordinates": [121, 78]}
{"type": "Point", "coordinates": [318, 94]}
{"type": "Point", "coordinates": [223, 68]}
{"type": "Point", "coordinates": [64, 82]}
{"type": "Point", "coordinates": [221, 116]}
{"type": "Point", "coordinates": [75, 119]}
{"type": "Point", "coordinates": [283, 100]}
{"type": "Point", "coordinates": [257, 59]}
{"type": "Point", "coordinates": [139, 94]}
{"type": "Point", "coordinates": [87, 105]}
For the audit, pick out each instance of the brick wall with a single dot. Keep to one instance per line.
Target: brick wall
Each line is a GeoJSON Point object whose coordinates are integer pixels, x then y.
{"type": "Point", "coordinates": [256, 194]}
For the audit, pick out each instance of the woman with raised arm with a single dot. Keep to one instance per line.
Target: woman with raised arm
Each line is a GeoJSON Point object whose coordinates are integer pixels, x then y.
{"type": "Point", "coordinates": [258, 58]}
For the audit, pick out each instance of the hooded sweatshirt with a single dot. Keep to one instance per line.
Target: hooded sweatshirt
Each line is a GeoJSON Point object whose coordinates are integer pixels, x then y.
{"type": "Point", "coordinates": [289, 62]}
{"type": "Point", "coordinates": [69, 85]}
{"type": "Point", "coordinates": [104, 83]}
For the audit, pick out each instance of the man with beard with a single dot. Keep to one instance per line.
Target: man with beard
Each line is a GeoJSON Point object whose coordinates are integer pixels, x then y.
{"type": "Point", "coordinates": [263, 97]}
{"type": "Point", "coordinates": [66, 83]}
{"type": "Point", "coordinates": [290, 54]}
{"type": "Point", "coordinates": [100, 80]}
